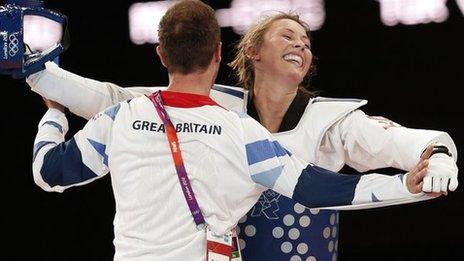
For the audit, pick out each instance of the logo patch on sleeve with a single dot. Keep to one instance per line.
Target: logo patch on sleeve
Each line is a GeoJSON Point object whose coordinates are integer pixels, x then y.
{"type": "Point", "coordinates": [384, 122]}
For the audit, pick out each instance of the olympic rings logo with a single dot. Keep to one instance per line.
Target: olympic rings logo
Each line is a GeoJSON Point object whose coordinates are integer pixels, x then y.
{"type": "Point", "coordinates": [13, 45]}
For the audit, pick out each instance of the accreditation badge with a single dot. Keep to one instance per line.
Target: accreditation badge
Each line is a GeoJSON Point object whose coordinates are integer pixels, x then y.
{"type": "Point", "coordinates": [236, 254]}
{"type": "Point", "coordinates": [218, 248]}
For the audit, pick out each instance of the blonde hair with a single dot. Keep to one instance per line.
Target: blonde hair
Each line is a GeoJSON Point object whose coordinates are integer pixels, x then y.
{"type": "Point", "coordinates": [253, 38]}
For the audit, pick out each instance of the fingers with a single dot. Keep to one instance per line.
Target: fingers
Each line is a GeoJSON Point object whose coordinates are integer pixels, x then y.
{"type": "Point", "coordinates": [435, 195]}
{"type": "Point", "coordinates": [453, 184]}
{"type": "Point", "coordinates": [426, 154]}
{"type": "Point", "coordinates": [443, 168]}
{"type": "Point", "coordinates": [444, 184]}
{"type": "Point", "coordinates": [53, 104]}
{"type": "Point", "coordinates": [436, 184]}
{"type": "Point", "coordinates": [419, 177]}
{"type": "Point", "coordinates": [416, 176]}
{"type": "Point", "coordinates": [423, 164]}
{"type": "Point", "coordinates": [427, 187]}
{"type": "Point", "coordinates": [417, 181]}
{"type": "Point", "coordinates": [47, 102]}
{"type": "Point", "coordinates": [442, 174]}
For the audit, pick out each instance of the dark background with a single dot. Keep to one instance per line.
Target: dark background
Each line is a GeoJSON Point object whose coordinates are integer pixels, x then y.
{"type": "Point", "coordinates": [410, 74]}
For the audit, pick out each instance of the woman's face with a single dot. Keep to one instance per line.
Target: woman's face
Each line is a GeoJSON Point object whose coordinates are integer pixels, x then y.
{"type": "Point", "coordinates": [285, 52]}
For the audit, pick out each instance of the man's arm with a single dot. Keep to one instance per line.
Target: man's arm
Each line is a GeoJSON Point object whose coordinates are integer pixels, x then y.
{"type": "Point", "coordinates": [59, 164]}
{"type": "Point", "coordinates": [273, 167]}
{"type": "Point", "coordinates": [82, 96]}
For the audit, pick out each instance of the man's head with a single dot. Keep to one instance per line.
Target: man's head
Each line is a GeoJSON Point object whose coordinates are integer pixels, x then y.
{"type": "Point", "coordinates": [189, 36]}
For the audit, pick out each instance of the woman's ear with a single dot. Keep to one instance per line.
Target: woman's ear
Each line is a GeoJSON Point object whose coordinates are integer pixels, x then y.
{"type": "Point", "coordinates": [252, 53]}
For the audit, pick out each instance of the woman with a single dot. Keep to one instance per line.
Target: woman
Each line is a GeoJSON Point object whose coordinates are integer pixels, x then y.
{"type": "Point", "coordinates": [273, 62]}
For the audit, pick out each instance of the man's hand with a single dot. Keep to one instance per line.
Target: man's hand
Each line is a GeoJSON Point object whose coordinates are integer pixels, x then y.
{"type": "Point", "coordinates": [53, 104]}
{"type": "Point", "coordinates": [442, 174]}
{"type": "Point", "coordinates": [414, 179]}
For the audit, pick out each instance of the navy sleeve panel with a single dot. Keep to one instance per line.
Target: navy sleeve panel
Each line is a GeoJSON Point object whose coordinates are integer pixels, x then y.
{"type": "Point", "coordinates": [318, 187]}
{"type": "Point", "coordinates": [63, 165]}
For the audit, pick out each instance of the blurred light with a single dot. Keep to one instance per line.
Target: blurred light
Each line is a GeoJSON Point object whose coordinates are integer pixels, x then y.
{"type": "Point", "coordinates": [41, 33]}
{"type": "Point", "coordinates": [144, 19]}
{"type": "Point", "coordinates": [461, 5]}
{"type": "Point", "coordinates": [410, 12]}
{"type": "Point", "coordinates": [244, 13]}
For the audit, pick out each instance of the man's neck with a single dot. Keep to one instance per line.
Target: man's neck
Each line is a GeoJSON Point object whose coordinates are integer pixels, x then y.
{"type": "Point", "coordinates": [196, 83]}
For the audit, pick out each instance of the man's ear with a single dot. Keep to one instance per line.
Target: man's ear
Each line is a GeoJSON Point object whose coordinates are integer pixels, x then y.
{"type": "Point", "coordinates": [161, 55]}
{"type": "Point", "coordinates": [218, 53]}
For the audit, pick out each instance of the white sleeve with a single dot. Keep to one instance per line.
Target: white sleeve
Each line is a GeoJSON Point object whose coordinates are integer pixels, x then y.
{"type": "Point", "coordinates": [377, 190]}
{"type": "Point", "coordinates": [376, 142]}
{"type": "Point", "coordinates": [273, 167]}
{"type": "Point", "coordinates": [82, 96]}
{"type": "Point", "coordinates": [58, 165]}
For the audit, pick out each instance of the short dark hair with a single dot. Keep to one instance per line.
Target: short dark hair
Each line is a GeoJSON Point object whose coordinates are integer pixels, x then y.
{"type": "Point", "coordinates": [189, 34]}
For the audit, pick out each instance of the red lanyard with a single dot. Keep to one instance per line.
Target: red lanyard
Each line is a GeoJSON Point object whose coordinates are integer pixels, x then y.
{"type": "Point", "coordinates": [178, 161]}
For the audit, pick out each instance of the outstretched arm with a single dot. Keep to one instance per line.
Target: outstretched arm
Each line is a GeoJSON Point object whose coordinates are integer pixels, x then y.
{"type": "Point", "coordinates": [275, 168]}
{"type": "Point", "coordinates": [376, 142]}
{"type": "Point", "coordinates": [373, 142]}
{"type": "Point", "coordinates": [82, 96]}
{"type": "Point", "coordinates": [86, 97]}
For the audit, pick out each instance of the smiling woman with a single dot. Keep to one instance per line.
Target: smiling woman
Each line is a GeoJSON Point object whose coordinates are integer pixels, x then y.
{"type": "Point", "coordinates": [283, 35]}
{"type": "Point", "coordinates": [284, 52]}
{"type": "Point", "coordinates": [274, 62]}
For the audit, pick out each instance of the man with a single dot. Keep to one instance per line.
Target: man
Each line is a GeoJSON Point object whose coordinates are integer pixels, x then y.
{"type": "Point", "coordinates": [222, 151]}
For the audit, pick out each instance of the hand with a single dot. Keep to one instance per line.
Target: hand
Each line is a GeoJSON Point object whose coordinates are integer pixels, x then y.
{"type": "Point", "coordinates": [53, 104]}
{"type": "Point", "coordinates": [442, 174]}
{"type": "Point", "coordinates": [414, 179]}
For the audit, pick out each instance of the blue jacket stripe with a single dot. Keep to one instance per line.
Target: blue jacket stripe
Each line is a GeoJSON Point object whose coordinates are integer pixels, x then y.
{"type": "Point", "coordinates": [281, 151]}
{"type": "Point", "coordinates": [113, 111]}
{"type": "Point", "coordinates": [262, 150]}
{"type": "Point", "coordinates": [232, 92]}
{"type": "Point", "coordinates": [401, 176]}
{"type": "Point", "coordinates": [374, 198]}
{"type": "Point", "coordinates": [54, 124]}
{"type": "Point", "coordinates": [38, 146]}
{"type": "Point", "coordinates": [267, 178]}
{"type": "Point", "coordinates": [100, 148]}
{"type": "Point", "coordinates": [63, 165]}
{"type": "Point", "coordinates": [318, 187]}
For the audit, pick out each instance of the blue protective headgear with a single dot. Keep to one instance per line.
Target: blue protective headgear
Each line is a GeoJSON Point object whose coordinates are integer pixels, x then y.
{"type": "Point", "coordinates": [15, 60]}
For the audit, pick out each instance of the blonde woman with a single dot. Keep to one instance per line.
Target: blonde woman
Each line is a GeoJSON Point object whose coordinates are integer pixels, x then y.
{"type": "Point", "coordinates": [273, 63]}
